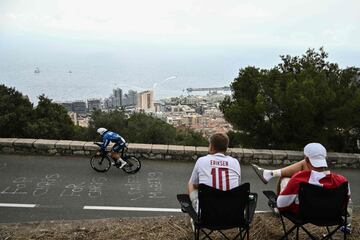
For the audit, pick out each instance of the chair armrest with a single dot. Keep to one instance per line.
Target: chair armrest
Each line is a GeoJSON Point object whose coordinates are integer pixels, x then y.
{"type": "Point", "coordinates": [272, 198]}
{"type": "Point", "coordinates": [250, 210]}
{"type": "Point", "coordinates": [186, 206]}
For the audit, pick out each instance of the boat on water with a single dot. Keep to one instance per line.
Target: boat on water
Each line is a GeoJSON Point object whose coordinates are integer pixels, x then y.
{"type": "Point", "coordinates": [70, 71]}
{"type": "Point", "coordinates": [37, 70]}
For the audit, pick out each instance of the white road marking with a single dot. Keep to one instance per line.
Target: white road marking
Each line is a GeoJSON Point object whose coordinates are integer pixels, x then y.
{"type": "Point", "coordinates": [109, 208]}
{"type": "Point", "coordinates": [263, 211]}
{"type": "Point", "coordinates": [17, 205]}
{"type": "Point", "coordinates": [139, 209]}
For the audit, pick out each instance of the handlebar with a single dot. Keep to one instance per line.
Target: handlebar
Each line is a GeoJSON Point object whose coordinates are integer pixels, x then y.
{"type": "Point", "coordinates": [103, 152]}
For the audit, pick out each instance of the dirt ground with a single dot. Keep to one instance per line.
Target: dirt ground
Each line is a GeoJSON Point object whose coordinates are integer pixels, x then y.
{"type": "Point", "coordinates": [264, 226]}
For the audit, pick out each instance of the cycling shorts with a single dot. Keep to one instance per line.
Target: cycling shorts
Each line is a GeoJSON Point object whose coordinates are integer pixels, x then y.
{"type": "Point", "coordinates": [118, 147]}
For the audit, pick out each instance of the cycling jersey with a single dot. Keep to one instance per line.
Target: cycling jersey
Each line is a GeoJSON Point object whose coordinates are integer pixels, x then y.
{"type": "Point", "coordinates": [109, 136]}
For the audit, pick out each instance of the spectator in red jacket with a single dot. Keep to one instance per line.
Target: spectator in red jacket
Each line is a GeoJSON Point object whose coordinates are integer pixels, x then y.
{"type": "Point", "coordinates": [313, 170]}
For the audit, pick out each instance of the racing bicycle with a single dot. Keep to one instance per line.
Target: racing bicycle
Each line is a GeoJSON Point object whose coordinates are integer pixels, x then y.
{"type": "Point", "coordinates": [103, 161]}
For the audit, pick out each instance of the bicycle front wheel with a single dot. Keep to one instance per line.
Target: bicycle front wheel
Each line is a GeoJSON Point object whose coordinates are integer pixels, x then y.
{"type": "Point", "coordinates": [100, 163]}
{"type": "Point", "coordinates": [133, 164]}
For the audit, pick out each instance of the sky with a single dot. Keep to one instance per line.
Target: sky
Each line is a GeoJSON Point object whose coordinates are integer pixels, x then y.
{"type": "Point", "coordinates": [198, 40]}
{"type": "Point", "coordinates": [279, 23]}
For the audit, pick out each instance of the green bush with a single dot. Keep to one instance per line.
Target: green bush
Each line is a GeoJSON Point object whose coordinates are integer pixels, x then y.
{"type": "Point", "coordinates": [301, 100]}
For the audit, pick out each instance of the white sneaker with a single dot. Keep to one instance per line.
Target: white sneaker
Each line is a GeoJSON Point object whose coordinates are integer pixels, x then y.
{"type": "Point", "coordinates": [260, 172]}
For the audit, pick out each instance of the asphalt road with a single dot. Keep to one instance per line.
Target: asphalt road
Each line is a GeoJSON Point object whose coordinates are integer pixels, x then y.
{"type": "Point", "coordinates": [36, 188]}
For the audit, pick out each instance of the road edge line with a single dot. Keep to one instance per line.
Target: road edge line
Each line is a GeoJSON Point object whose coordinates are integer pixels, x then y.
{"type": "Point", "coordinates": [139, 209]}
{"type": "Point", "coordinates": [18, 205]}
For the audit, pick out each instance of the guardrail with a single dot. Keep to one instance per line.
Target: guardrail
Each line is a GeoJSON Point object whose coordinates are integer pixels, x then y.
{"type": "Point", "coordinates": [169, 152]}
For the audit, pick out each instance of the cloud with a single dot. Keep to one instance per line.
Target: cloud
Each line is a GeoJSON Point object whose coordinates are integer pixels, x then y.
{"type": "Point", "coordinates": [259, 22]}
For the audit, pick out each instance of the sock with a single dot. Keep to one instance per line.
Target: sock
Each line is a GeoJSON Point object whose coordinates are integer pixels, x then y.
{"type": "Point", "coordinates": [120, 160]}
{"type": "Point", "coordinates": [276, 173]}
{"type": "Point", "coordinates": [267, 174]}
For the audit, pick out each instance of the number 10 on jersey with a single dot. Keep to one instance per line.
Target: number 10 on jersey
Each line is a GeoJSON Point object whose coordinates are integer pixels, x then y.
{"type": "Point", "coordinates": [220, 178]}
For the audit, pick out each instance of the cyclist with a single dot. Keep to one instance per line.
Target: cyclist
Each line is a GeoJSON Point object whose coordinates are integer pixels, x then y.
{"type": "Point", "coordinates": [107, 137]}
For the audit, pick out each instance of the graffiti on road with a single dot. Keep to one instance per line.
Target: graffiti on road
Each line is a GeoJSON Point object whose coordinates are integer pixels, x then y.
{"type": "Point", "coordinates": [40, 186]}
{"type": "Point", "coordinates": [151, 189]}
{"type": "Point", "coordinates": [92, 189]}
{"type": "Point", "coordinates": [18, 186]}
{"type": "Point", "coordinates": [45, 183]}
{"type": "Point", "coordinates": [95, 187]}
{"type": "Point", "coordinates": [155, 185]}
{"type": "Point", "coordinates": [135, 190]}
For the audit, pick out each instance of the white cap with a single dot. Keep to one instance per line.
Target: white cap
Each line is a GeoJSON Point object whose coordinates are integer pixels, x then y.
{"type": "Point", "coordinates": [316, 154]}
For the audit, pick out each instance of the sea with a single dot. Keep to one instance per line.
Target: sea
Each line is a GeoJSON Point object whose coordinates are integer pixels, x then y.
{"type": "Point", "coordinates": [85, 76]}
{"type": "Point", "coordinates": [68, 78]}
{"type": "Point", "coordinates": [80, 72]}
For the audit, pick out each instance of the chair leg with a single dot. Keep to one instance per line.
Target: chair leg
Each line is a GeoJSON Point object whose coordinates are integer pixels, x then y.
{"type": "Point", "coordinates": [197, 233]}
{"type": "Point", "coordinates": [242, 233]}
{"type": "Point", "coordinates": [297, 233]}
{"type": "Point", "coordinates": [283, 224]}
{"type": "Point", "coordinates": [329, 235]}
{"type": "Point", "coordinates": [225, 235]}
{"type": "Point", "coordinates": [345, 231]}
{"type": "Point", "coordinates": [238, 235]}
{"type": "Point", "coordinates": [286, 233]}
{"type": "Point", "coordinates": [207, 235]}
{"type": "Point", "coordinates": [328, 232]}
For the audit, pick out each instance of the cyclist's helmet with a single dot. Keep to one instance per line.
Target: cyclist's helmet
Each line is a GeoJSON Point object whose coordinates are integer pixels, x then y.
{"type": "Point", "coordinates": [101, 130]}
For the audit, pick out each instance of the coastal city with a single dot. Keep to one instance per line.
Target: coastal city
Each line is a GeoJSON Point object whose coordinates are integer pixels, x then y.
{"type": "Point", "coordinates": [158, 120]}
{"type": "Point", "coordinates": [200, 113]}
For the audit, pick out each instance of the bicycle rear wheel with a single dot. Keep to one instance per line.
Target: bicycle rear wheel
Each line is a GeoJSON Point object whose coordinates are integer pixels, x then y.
{"type": "Point", "coordinates": [133, 164]}
{"type": "Point", "coordinates": [100, 163]}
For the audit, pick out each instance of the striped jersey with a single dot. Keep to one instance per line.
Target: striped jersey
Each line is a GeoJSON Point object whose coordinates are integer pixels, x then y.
{"type": "Point", "coordinates": [218, 171]}
{"type": "Point", "coordinates": [288, 199]}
